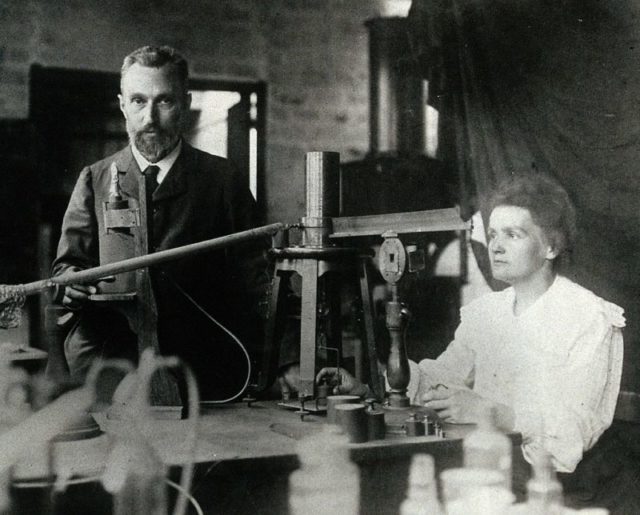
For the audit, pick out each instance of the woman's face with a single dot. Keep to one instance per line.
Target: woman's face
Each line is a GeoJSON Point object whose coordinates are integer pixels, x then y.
{"type": "Point", "coordinates": [518, 247]}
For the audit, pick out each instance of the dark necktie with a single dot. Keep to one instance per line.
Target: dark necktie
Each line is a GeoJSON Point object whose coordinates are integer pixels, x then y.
{"type": "Point", "coordinates": [151, 178]}
{"type": "Point", "coordinates": [150, 185]}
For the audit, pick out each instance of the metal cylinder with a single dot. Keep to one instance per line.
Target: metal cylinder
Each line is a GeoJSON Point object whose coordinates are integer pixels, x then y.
{"type": "Point", "coordinates": [353, 421]}
{"type": "Point", "coordinates": [322, 191]}
{"type": "Point", "coordinates": [376, 427]}
{"type": "Point", "coordinates": [323, 392]}
{"type": "Point", "coordinates": [322, 172]}
{"type": "Point", "coordinates": [335, 400]}
{"type": "Point", "coordinates": [429, 426]}
{"type": "Point", "coordinates": [397, 93]}
{"type": "Point", "coordinates": [414, 426]}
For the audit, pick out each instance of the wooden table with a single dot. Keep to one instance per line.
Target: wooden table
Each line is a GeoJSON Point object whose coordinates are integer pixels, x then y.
{"type": "Point", "coordinates": [245, 455]}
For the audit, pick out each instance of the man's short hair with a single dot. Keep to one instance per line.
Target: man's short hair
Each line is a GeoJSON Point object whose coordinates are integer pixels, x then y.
{"type": "Point", "coordinates": [547, 201]}
{"type": "Point", "coordinates": [156, 57]}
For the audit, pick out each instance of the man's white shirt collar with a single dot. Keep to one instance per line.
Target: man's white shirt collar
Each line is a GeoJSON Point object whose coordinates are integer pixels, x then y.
{"type": "Point", "coordinates": [164, 164]}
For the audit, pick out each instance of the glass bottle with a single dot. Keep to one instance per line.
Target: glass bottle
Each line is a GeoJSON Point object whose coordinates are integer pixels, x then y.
{"type": "Point", "coordinates": [136, 477]}
{"type": "Point", "coordinates": [544, 491]}
{"type": "Point", "coordinates": [422, 494]}
{"type": "Point", "coordinates": [327, 482]}
{"type": "Point", "coordinates": [486, 447]}
{"type": "Point", "coordinates": [14, 408]}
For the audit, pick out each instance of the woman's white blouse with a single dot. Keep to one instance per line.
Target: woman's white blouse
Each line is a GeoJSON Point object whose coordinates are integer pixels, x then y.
{"type": "Point", "coordinates": [557, 365]}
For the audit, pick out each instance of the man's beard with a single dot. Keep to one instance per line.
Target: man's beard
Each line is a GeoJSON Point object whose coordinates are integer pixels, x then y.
{"type": "Point", "coordinates": [154, 146]}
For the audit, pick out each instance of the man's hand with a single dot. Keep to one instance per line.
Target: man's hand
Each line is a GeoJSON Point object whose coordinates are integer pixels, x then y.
{"type": "Point", "coordinates": [345, 383]}
{"type": "Point", "coordinates": [456, 404]}
{"type": "Point", "coordinates": [289, 378]}
{"type": "Point", "coordinates": [77, 295]}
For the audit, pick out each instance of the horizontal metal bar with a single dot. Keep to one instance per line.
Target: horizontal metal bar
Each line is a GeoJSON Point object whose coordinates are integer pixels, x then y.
{"type": "Point", "coordinates": [433, 220]}
{"type": "Point", "coordinates": [90, 275]}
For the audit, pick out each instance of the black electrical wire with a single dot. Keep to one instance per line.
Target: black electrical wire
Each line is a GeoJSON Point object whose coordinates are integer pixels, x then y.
{"type": "Point", "coordinates": [223, 328]}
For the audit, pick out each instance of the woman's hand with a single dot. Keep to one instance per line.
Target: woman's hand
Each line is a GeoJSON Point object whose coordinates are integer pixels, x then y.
{"type": "Point", "coordinates": [456, 404]}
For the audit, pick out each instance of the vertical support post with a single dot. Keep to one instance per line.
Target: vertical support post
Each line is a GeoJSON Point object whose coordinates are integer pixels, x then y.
{"type": "Point", "coordinates": [398, 372]}
{"type": "Point", "coordinates": [376, 379]}
{"type": "Point", "coordinates": [333, 326]}
{"type": "Point", "coordinates": [393, 263]}
{"type": "Point", "coordinates": [270, 356]}
{"type": "Point", "coordinates": [308, 327]}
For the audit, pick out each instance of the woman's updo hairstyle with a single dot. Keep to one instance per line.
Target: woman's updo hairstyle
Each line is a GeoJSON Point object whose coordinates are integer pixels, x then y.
{"type": "Point", "coordinates": [547, 201]}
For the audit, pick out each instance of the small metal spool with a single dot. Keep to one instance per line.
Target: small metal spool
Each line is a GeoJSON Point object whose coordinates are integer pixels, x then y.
{"type": "Point", "coordinates": [323, 392]}
{"type": "Point", "coordinates": [376, 426]}
{"type": "Point", "coordinates": [429, 426]}
{"type": "Point", "coordinates": [414, 426]}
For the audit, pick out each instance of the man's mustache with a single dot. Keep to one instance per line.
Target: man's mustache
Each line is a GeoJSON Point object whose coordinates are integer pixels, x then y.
{"type": "Point", "coordinates": [152, 128]}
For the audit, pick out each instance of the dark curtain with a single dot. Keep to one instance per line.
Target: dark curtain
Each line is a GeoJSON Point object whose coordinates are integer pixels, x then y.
{"type": "Point", "coordinates": [549, 85]}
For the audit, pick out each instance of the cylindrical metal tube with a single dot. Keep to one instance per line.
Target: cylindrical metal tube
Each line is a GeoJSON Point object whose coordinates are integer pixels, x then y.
{"type": "Point", "coordinates": [322, 172]}
{"type": "Point", "coordinates": [414, 426]}
{"type": "Point", "coordinates": [429, 426]}
{"type": "Point", "coordinates": [376, 427]}
{"type": "Point", "coordinates": [353, 421]}
{"type": "Point", "coordinates": [322, 192]}
{"type": "Point", "coordinates": [323, 392]}
{"type": "Point", "coordinates": [335, 400]}
{"type": "Point", "coordinates": [164, 256]}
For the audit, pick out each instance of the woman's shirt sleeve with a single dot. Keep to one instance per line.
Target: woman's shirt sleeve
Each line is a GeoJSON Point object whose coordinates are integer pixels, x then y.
{"type": "Point", "coordinates": [565, 403]}
{"type": "Point", "coordinates": [454, 366]}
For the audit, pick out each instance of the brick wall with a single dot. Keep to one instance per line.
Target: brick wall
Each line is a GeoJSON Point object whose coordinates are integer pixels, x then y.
{"type": "Point", "coordinates": [313, 55]}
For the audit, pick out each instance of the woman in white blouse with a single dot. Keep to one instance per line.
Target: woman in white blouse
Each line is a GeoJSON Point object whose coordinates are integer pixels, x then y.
{"type": "Point", "coordinates": [546, 353]}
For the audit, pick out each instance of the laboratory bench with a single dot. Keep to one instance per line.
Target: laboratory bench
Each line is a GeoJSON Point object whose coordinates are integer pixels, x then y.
{"type": "Point", "coordinates": [244, 456]}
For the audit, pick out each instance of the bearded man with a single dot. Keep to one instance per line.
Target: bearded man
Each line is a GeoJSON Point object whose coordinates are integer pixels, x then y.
{"type": "Point", "coordinates": [197, 197]}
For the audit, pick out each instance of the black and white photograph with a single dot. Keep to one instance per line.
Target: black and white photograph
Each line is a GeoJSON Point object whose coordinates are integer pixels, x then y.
{"type": "Point", "coordinates": [319, 257]}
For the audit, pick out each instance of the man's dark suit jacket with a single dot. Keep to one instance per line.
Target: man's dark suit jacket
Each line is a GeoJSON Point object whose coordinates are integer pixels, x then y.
{"type": "Point", "coordinates": [200, 198]}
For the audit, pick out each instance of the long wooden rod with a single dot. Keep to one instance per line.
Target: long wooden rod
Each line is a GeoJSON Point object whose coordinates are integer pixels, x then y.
{"type": "Point", "coordinates": [127, 265]}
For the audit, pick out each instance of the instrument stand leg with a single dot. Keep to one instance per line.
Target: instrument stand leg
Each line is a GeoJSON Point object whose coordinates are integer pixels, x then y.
{"type": "Point", "coordinates": [272, 330]}
{"type": "Point", "coordinates": [368, 316]}
{"type": "Point", "coordinates": [308, 326]}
